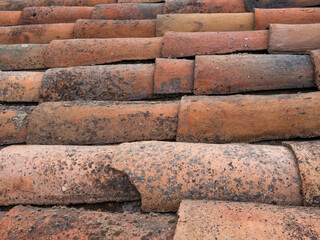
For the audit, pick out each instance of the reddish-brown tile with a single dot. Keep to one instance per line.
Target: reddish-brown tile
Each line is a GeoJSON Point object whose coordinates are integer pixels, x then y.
{"type": "Point", "coordinates": [102, 122]}
{"type": "Point", "coordinates": [308, 158]}
{"type": "Point", "coordinates": [13, 124]}
{"type": "Point", "coordinates": [125, 11]}
{"type": "Point", "coordinates": [41, 33]}
{"type": "Point", "coordinates": [64, 223]}
{"type": "Point", "coordinates": [167, 172]}
{"type": "Point", "coordinates": [42, 15]}
{"type": "Point", "coordinates": [231, 220]}
{"type": "Point", "coordinates": [316, 61]}
{"type": "Point", "coordinates": [82, 52]}
{"type": "Point", "coordinates": [248, 72]}
{"type": "Point", "coordinates": [113, 82]}
{"type": "Point", "coordinates": [43, 175]}
{"type": "Point", "coordinates": [22, 56]}
{"type": "Point", "coordinates": [220, 22]}
{"type": "Point", "coordinates": [140, 1]}
{"type": "Point", "coordinates": [115, 28]}
{"type": "Point", "coordinates": [248, 118]}
{"type": "Point", "coordinates": [191, 44]}
{"type": "Point", "coordinates": [264, 17]}
{"type": "Point", "coordinates": [173, 76]}
{"type": "Point", "coordinates": [9, 18]}
{"type": "Point", "coordinates": [294, 38]}
{"type": "Point", "coordinates": [20, 86]}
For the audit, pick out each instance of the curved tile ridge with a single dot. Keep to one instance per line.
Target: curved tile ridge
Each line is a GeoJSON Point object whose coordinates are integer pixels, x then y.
{"type": "Point", "coordinates": [63, 223]}
{"type": "Point", "coordinates": [316, 62]}
{"type": "Point", "coordinates": [165, 173]}
{"type": "Point", "coordinates": [308, 159]}
{"type": "Point", "coordinates": [251, 4]}
{"type": "Point", "coordinates": [230, 220]}
{"type": "Point", "coordinates": [44, 175]}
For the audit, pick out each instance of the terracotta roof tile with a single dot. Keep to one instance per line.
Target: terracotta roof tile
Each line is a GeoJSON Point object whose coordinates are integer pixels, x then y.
{"type": "Point", "coordinates": [20, 86]}
{"type": "Point", "coordinates": [102, 122]}
{"type": "Point", "coordinates": [204, 6]}
{"type": "Point", "coordinates": [60, 223]}
{"type": "Point", "coordinates": [316, 61]}
{"type": "Point", "coordinates": [308, 156]}
{"type": "Point", "coordinates": [13, 123]}
{"type": "Point", "coordinates": [42, 15]}
{"type": "Point", "coordinates": [22, 56]}
{"type": "Point", "coordinates": [140, 1]}
{"type": "Point", "coordinates": [248, 118]}
{"type": "Point", "coordinates": [45, 175]}
{"type": "Point", "coordinates": [173, 76]}
{"type": "Point", "coordinates": [204, 22]}
{"type": "Point", "coordinates": [124, 11]}
{"type": "Point", "coordinates": [113, 82]}
{"type": "Point", "coordinates": [8, 18]}
{"type": "Point", "coordinates": [263, 17]}
{"type": "Point", "coordinates": [166, 173]}
{"type": "Point", "coordinates": [191, 44]}
{"type": "Point", "coordinates": [64, 53]}
{"type": "Point", "coordinates": [251, 4]}
{"type": "Point", "coordinates": [115, 28]}
{"type": "Point", "coordinates": [40, 33]}
{"type": "Point", "coordinates": [248, 72]}
{"type": "Point", "coordinates": [298, 38]}
{"type": "Point", "coordinates": [230, 220]}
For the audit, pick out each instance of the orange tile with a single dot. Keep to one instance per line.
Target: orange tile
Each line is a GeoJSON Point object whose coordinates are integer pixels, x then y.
{"type": "Point", "coordinates": [9, 18]}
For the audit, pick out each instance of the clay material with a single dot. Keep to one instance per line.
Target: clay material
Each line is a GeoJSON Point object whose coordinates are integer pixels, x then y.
{"type": "Point", "coordinates": [316, 61]}
{"type": "Point", "coordinates": [9, 18]}
{"type": "Point", "coordinates": [251, 4]}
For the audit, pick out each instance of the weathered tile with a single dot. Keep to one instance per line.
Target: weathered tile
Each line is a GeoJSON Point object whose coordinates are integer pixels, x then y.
{"type": "Point", "coordinates": [165, 173]}
{"type": "Point", "coordinates": [308, 159]}
{"type": "Point", "coordinates": [102, 122]}
{"type": "Point", "coordinates": [191, 44]}
{"type": "Point", "coordinates": [9, 18]}
{"type": "Point", "coordinates": [248, 72]}
{"type": "Point", "coordinates": [40, 33]}
{"type": "Point", "coordinates": [230, 220]}
{"type": "Point", "coordinates": [294, 38]}
{"type": "Point", "coordinates": [248, 118]}
{"type": "Point", "coordinates": [125, 11]}
{"type": "Point", "coordinates": [20, 86]}
{"type": "Point", "coordinates": [45, 175]}
{"type": "Point", "coordinates": [316, 61]}
{"type": "Point", "coordinates": [82, 52]}
{"type": "Point", "coordinates": [173, 76]}
{"type": "Point", "coordinates": [204, 6]}
{"type": "Point", "coordinates": [264, 17]}
{"type": "Point", "coordinates": [220, 22]}
{"type": "Point", "coordinates": [251, 4]}
{"type": "Point", "coordinates": [115, 28]}
{"type": "Point", "coordinates": [113, 82]}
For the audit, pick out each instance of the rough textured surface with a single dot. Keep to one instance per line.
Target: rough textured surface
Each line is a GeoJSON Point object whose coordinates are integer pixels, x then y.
{"type": "Point", "coordinates": [166, 173]}
{"type": "Point", "coordinates": [61, 223]}
{"type": "Point", "coordinates": [191, 44]}
{"type": "Point", "coordinates": [294, 38]}
{"type": "Point", "coordinates": [44, 175]}
{"type": "Point", "coordinates": [244, 73]}
{"type": "Point", "coordinates": [113, 82]}
{"type": "Point", "coordinates": [81, 52]}
{"type": "Point", "coordinates": [173, 76]}
{"type": "Point", "coordinates": [13, 124]}
{"type": "Point", "coordinates": [316, 62]}
{"type": "Point", "coordinates": [9, 18]}
{"type": "Point", "coordinates": [115, 28]}
{"type": "Point", "coordinates": [124, 11]}
{"type": "Point", "coordinates": [11, 5]}
{"type": "Point", "coordinates": [229, 220]}
{"type": "Point", "coordinates": [263, 17]}
{"type": "Point", "coordinates": [204, 6]}
{"type": "Point", "coordinates": [251, 4]}
{"type": "Point", "coordinates": [20, 86]}
{"type": "Point", "coordinates": [40, 33]}
{"type": "Point", "coordinates": [248, 118]}
{"type": "Point", "coordinates": [220, 22]}
{"type": "Point", "coordinates": [22, 56]}
{"type": "Point", "coordinates": [41, 15]}
{"type": "Point", "coordinates": [308, 155]}
{"type": "Point", "coordinates": [102, 122]}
